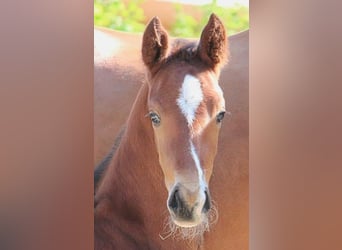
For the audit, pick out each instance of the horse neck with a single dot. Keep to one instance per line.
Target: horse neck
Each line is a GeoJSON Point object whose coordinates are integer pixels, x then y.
{"type": "Point", "coordinates": [133, 183]}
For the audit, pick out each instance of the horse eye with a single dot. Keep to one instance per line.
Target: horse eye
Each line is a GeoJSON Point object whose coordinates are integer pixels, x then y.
{"type": "Point", "coordinates": [220, 116]}
{"type": "Point", "coordinates": [154, 118]}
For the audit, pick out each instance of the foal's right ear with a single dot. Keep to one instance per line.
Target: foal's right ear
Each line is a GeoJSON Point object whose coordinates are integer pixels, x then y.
{"type": "Point", "coordinates": [155, 43]}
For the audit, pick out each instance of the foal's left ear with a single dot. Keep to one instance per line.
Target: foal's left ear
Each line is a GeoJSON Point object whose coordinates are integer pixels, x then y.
{"type": "Point", "coordinates": [155, 43]}
{"type": "Point", "coordinates": [213, 46]}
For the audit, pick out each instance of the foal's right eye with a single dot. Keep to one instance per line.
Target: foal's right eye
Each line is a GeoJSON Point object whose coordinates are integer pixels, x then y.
{"type": "Point", "coordinates": [154, 118]}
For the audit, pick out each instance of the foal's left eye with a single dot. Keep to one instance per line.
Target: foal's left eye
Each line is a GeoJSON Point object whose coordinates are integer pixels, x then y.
{"type": "Point", "coordinates": [154, 118]}
{"type": "Point", "coordinates": [220, 116]}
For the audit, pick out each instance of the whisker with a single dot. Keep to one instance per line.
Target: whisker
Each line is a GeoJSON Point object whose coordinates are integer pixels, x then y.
{"type": "Point", "coordinates": [196, 233]}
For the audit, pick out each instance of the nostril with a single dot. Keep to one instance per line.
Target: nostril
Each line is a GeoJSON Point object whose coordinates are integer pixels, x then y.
{"type": "Point", "coordinates": [207, 203]}
{"type": "Point", "coordinates": [174, 200]}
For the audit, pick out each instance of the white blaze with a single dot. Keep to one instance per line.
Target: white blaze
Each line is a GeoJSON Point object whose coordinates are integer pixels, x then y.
{"type": "Point", "coordinates": [198, 165]}
{"type": "Point", "coordinates": [190, 97]}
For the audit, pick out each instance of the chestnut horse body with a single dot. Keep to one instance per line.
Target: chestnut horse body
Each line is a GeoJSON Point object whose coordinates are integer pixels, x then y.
{"type": "Point", "coordinates": [135, 217]}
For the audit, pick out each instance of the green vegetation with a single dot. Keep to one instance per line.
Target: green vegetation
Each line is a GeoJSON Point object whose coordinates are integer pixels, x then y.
{"type": "Point", "coordinates": [115, 14]}
{"type": "Point", "coordinates": [235, 19]}
{"type": "Point", "coordinates": [118, 15]}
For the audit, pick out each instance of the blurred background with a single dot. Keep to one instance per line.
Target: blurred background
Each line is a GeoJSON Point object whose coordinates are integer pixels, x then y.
{"type": "Point", "coordinates": [182, 18]}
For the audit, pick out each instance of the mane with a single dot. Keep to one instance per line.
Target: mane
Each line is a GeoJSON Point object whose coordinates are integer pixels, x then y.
{"type": "Point", "coordinates": [103, 165]}
{"type": "Point", "coordinates": [183, 50]}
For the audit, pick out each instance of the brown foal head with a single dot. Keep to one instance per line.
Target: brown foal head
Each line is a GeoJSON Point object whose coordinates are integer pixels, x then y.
{"type": "Point", "coordinates": [186, 108]}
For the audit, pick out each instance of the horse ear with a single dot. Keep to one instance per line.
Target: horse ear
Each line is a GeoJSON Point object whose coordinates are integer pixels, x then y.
{"type": "Point", "coordinates": [155, 43]}
{"type": "Point", "coordinates": [213, 46]}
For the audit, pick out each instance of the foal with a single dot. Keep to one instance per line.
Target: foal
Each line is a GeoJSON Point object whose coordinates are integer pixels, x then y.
{"type": "Point", "coordinates": [165, 158]}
